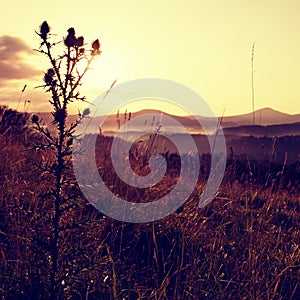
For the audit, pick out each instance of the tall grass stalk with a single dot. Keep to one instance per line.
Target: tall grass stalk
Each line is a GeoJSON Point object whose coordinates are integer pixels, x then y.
{"type": "Point", "coordinates": [252, 83]}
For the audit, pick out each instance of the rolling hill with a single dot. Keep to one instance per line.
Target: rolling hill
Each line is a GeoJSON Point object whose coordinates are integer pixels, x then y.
{"type": "Point", "coordinates": [269, 122]}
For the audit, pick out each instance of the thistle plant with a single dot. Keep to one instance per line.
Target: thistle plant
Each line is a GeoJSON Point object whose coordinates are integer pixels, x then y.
{"type": "Point", "coordinates": [62, 81]}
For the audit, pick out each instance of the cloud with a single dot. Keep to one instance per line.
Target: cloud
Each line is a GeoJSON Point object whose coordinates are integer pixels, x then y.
{"type": "Point", "coordinates": [13, 52]}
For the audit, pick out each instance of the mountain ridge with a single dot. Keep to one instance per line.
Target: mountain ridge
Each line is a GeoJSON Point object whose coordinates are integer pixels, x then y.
{"type": "Point", "coordinates": [237, 124]}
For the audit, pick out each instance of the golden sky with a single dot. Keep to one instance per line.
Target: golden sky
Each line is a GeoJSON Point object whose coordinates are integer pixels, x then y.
{"type": "Point", "coordinates": [205, 45]}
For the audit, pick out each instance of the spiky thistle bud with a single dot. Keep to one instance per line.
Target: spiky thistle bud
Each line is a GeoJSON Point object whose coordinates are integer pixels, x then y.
{"type": "Point", "coordinates": [70, 40]}
{"type": "Point", "coordinates": [79, 41]}
{"type": "Point", "coordinates": [48, 78]}
{"type": "Point", "coordinates": [96, 45]}
{"type": "Point", "coordinates": [44, 30]}
{"type": "Point", "coordinates": [35, 119]}
{"type": "Point", "coordinates": [86, 112]}
{"type": "Point", "coordinates": [51, 72]}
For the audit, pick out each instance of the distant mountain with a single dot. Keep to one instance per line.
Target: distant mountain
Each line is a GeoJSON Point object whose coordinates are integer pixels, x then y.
{"type": "Point", "coordinates": [265, 116]}
{"type": "Point", "coordinates": [264, 120]}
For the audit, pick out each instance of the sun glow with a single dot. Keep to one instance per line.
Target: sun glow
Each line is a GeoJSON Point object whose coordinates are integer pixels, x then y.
{"type": "Point", "coordinates": [104, 71]}
{"type": "Point", "coordinates": [153, 104]}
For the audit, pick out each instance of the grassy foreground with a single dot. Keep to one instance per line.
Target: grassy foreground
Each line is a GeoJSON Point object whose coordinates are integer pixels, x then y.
{"type": "Point", "coordinates": [243, 245]}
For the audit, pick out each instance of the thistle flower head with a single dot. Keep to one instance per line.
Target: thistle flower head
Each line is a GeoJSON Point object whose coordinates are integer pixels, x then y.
{"type": "Point", "coordinates": [70, 40]}
{"type": "Point", "coordinates": [44, 30]}
{"type": "Point", "coordinates": [71, 31]}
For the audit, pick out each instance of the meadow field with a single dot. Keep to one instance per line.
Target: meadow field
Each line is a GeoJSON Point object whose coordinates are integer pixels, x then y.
{"type": "Point", "coordinates": [245, 244]}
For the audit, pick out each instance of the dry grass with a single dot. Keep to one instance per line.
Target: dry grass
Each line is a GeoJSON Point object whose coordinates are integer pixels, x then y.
{"type": "Point", "coordinates": [243, 245]}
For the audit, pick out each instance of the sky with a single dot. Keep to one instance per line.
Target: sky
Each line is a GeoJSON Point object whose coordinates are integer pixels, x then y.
{"type": "Point", "coordinates": [205, 45]}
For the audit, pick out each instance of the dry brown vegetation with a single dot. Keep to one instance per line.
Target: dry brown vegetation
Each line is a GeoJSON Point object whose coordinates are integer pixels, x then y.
{"type": "Point", "coordinates": [243, 245]}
